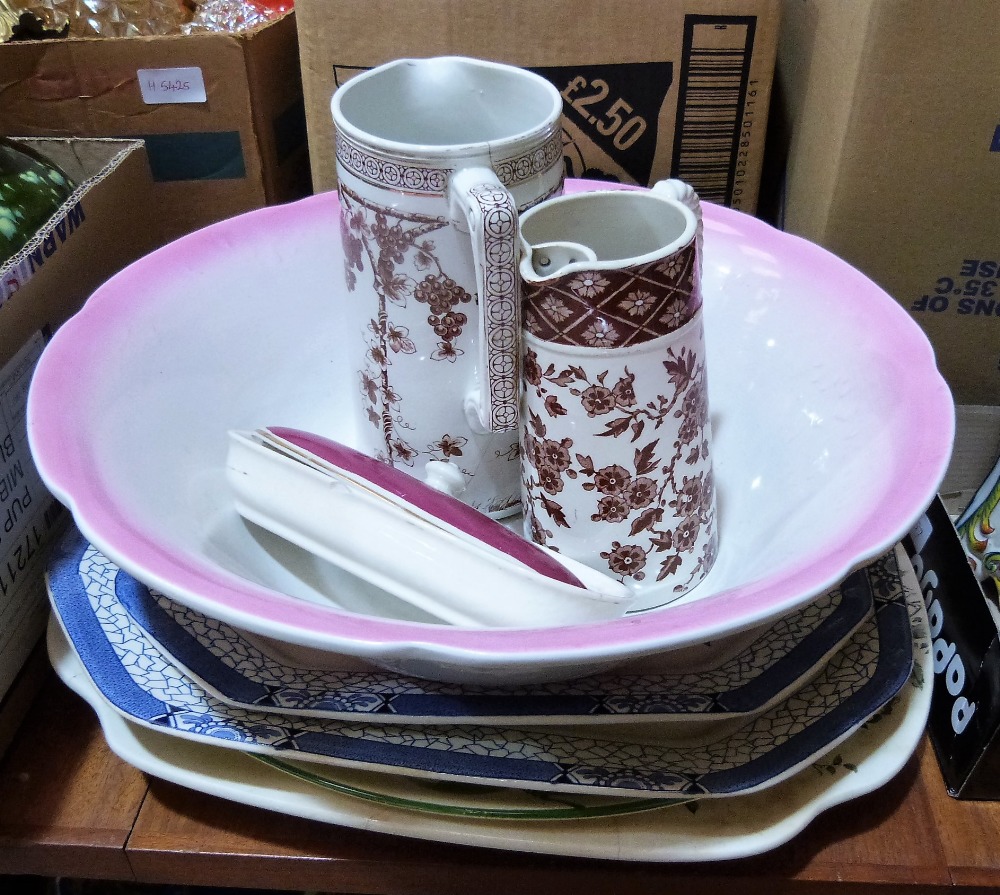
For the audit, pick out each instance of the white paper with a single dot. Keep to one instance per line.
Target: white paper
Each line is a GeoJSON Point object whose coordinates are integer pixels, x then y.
{"type": "Point", "coordinates": [171, 85]}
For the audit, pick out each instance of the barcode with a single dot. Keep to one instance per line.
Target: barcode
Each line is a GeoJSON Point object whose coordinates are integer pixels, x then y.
{"type": "Point", "coordinates": [715, 71]}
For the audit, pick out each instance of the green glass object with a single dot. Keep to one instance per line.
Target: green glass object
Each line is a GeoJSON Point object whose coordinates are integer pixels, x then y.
{"type": "Point", "coordinates": [31, 191]}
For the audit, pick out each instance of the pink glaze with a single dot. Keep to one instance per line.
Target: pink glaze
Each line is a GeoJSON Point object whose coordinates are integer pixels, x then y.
{"type": "Point", "coordinates": [59, 404]}
{"type": "Point", "coordinates": [433, 502]}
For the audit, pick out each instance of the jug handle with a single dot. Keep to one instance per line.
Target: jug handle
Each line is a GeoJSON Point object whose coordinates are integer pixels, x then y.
{"type": "Point", "coordinates": [683, 192]}
{"type": "Point", "coordinates": [479, 199]}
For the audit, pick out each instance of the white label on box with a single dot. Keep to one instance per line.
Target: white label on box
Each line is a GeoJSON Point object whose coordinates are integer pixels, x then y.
{"type": "Point", "coordinates": [13, 278]}
{"type": "Point", "coordinates": [171, 85]}
{"type": "Point", "coordinates": [29, 517]}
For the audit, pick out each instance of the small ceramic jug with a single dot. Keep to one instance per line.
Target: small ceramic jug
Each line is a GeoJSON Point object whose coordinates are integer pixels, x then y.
{"type": "Point", "coordinates": [616, 443]}
{"type": "Point", "coordinates": [435, 158]}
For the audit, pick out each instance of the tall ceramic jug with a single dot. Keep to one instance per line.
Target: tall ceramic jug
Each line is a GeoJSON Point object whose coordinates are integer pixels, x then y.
{"type": "Point", "coordinates": [435, 158]}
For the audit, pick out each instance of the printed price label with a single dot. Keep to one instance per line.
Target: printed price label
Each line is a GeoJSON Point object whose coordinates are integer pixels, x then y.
{"type": "Point", "coordinates": [171, 85]}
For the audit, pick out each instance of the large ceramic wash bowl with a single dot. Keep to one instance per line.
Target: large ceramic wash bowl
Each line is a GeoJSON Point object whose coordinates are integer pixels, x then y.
{"type": "Point", "coordinates": [832, 431]}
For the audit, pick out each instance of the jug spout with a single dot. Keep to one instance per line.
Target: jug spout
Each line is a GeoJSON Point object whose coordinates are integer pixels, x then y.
{"type": "Point", "coordinates": [551, 258]}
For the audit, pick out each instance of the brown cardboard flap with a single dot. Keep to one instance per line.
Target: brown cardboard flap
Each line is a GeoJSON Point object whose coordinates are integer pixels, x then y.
{"type": "Point", "coordinates": [109, 230]}
{"type": "Point", "coordinates": [98, 232]}
{"type": "Point", "coordinates": [275, 80]}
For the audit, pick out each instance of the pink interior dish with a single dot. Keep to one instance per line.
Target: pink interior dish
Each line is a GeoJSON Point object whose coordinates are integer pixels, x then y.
{"type": "Point", "coordinates": [832, 432]}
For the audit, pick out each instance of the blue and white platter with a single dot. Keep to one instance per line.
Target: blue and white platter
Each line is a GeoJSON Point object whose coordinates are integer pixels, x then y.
{"type": "Point", "coordinates": [702, 830]}
{"type": "Point", "coordinates": [694, 690]}
{"type": "Point", "coordinates": [145, 685]}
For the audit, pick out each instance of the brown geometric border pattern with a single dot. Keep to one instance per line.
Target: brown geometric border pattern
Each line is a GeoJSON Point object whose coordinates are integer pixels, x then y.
{"type": "Point", "coordinates": [618, 307]}
{"type": "Point", "coordinates": [384, 171]}
{"type": "Point", "coordinates": [499, 306]}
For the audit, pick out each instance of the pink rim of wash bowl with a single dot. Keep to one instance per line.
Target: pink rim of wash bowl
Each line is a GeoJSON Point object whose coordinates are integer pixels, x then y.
{"type": "Point", "coordinates": [62, 395]}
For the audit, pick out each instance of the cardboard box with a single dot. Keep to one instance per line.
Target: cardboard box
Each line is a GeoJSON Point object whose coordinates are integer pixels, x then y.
{"type": "Point", "coordinates": [977, 445]}
{"type": "Point", "coordinates": [96, 232]}
{"type": "Point", "coordinates": [653, 88]}
{"type": "Point", "coordinates": [886, 127]}
{"type": "Point", "coordinates": [221, 114]}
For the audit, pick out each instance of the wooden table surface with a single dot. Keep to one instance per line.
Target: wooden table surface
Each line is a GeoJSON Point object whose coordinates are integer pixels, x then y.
{"type": "Point", "coordinates": [69, 807]}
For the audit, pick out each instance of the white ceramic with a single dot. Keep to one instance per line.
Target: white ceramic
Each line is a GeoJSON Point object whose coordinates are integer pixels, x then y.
{"type": "Point", "coordinates": [459, 800]}
{"type": "Point", "coordinates": [143, 682]}
{"type": "Point", "coordinates": [687, 693]}
{"type": "Point", "coordinates": [435, 157]}
{"type": "Point", "coordinates": [719, 829]}
{"type": "Point", "coordinates": [616, 457]}
{"type": "Point", "coordinates": [832, 429]}
{"type": "Point", "coordinates": [302, 487]}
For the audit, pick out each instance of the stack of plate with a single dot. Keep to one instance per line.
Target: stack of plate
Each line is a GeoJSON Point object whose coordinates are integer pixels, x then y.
{"type": "Point", "coordinates": [825, 705]}
{"type": "Point", "coordinates": [226, 659]}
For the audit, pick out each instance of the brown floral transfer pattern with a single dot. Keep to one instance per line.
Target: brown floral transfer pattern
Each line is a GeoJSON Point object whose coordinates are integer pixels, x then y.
{"type": "Point", "coordinates": [614, 308]}
{"type": "Point", "coordinates": [392, 248]}
{"type": "Point", "coordinates": [656, 495]}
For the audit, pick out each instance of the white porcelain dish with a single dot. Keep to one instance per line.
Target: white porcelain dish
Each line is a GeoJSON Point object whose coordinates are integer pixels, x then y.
{"type": "Point", "coordinates": [720, 829]}
{"type": "Point", "coordinates": [832, 429]}
{"type": "Point", "coordinates": [142, 681]}
{"type": "Point", "coordinates": [302, 488]}
{"type": "Point", "coordinates": [460, 800]}
{"type": "Point", "coordinates": [686, 693]}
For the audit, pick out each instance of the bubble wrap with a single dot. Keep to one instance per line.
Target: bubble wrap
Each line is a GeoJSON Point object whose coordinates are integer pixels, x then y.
{"type": "Point", "coordinates": [233, 15]}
